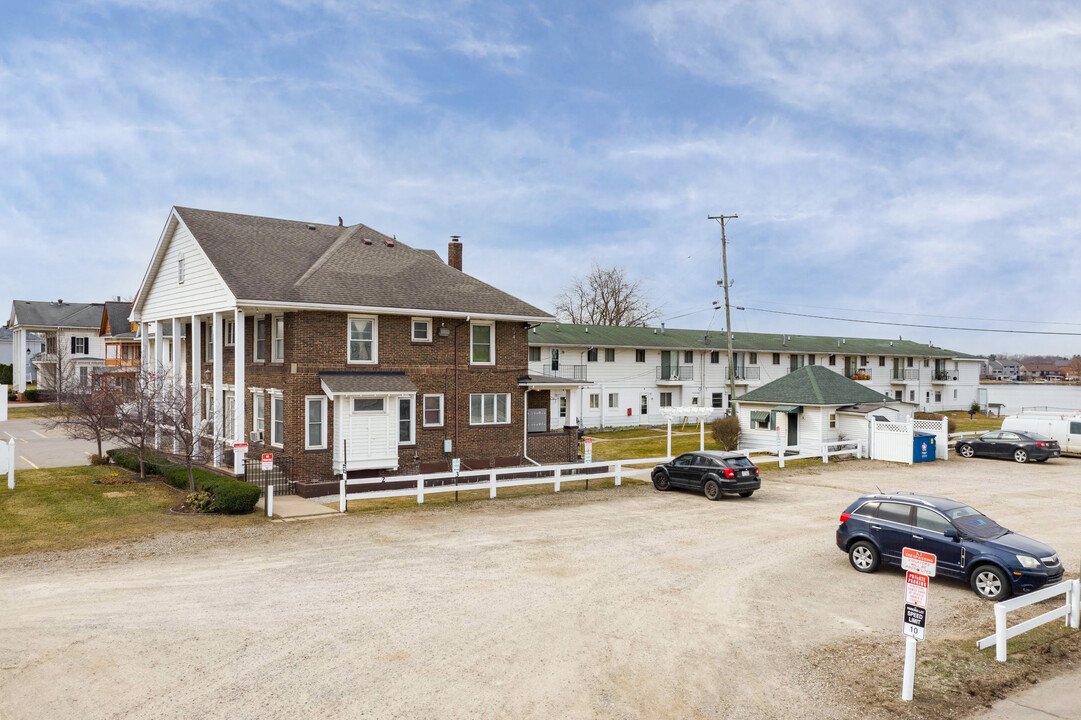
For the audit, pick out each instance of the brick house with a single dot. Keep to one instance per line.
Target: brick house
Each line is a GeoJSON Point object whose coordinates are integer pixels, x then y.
{"type": "Point", "coordinates": [339, 349]}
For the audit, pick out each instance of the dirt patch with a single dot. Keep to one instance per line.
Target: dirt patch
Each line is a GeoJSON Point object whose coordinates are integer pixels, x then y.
{"type": "Point", "coordinates": [117, 494]}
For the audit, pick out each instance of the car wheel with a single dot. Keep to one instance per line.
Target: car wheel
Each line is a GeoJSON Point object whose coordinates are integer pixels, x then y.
{"type": "Point", "coordinates": [661, 481]}
{"type": "Point", "coordinates": [863, 556]}
{"type": "Point", "coordinates": [990, 583]}
{"type": "Point", "coordinates": [746, 493]}
{"type": "Point", "coordinates": [712, 489]}
{"type": "Point", "coordinates": [966, 451]}
{"type": "Point", "coordinates": [1020, 455]}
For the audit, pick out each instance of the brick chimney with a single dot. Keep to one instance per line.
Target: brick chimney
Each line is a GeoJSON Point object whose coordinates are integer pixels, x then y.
{"type": "Point", "coordinates": [454, 252]}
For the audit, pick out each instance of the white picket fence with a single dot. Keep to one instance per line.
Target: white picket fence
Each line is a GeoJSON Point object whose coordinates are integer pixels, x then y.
{"type": "Point", "coordinates": [1070, 610]}
{"type": "Point", "coordinates": [554, 475]}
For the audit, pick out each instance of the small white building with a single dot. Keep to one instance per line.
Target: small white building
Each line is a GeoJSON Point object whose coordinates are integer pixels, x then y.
{"type": "Point", "coordinates": [809, 407]}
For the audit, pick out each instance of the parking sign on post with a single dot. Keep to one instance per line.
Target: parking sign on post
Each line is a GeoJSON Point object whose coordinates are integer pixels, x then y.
{"type": "Point", "coordinates": [588, 454]}
{"type": "Point", "coordinates": [920, 566]}
{"type": "Point", "coordinates": [268, 461]}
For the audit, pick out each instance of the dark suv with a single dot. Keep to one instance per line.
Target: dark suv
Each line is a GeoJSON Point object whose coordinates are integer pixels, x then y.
{"type": "Point", "coordinates": [709, 472]}
{"type": "Point", "coordinates": [969, 545]}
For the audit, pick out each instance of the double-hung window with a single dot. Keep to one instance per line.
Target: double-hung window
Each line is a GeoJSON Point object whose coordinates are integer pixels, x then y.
{"type": "Point", "coordinates": [180, 269]}
{"type": "Point", "coordinates": [718, 400]}
{"type": "Point", "coordinates": [363, 336]}
{"type": "Point", "coordinates": [715, 357]}
{"type": "Point", "coordinates": [591, 355]}
{"type": "Point", "coordinates": [639, 355]}
{"type": "Point", "coordinates": [594, 401]}
{"type": "Point", "coordinates": [666, 399]}
{"type": "Point", "coordinates": [433, 411]}
{"type": "Point", "coordinates": [278, 340]}
{"type": "Point", "coordinates": [405, 421]}
{"type": "Point", "coordinates": [79, 345]}
{"type": "Point", "coordinates": [258, 412]}
{"type": "Point", "coordinates": [609, 354]}
{"type": "Point", "coordinates": [277, 420]}
{"type": "Point", "coordinates": [259, 346]}
{"type": "Point", "coordinates": [613, 400]}
{"type": "Point", "coordinates": [315, 422]}
{"type": "Point", "coordinates": [229, 334]}
{"type": "Point", "coordinates": [482, 343]}
{"type": "Point", "coordinates": [228, 410]}
{"type": "Point", "coordinates": [534, 354]}
{"type": "Point", "coordinates": [489, 409]}
{"type": "Point", "coordinates": [421, 330]}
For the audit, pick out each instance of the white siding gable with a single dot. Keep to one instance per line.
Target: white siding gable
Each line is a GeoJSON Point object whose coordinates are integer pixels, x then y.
{"type": "Point", "coordinates": [202, 291]}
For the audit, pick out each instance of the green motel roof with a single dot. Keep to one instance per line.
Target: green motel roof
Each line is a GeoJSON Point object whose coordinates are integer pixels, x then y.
{"type": "Point", "coordinates": [813, 385]}
{"type": "Point", "coordinates": [563, 334]}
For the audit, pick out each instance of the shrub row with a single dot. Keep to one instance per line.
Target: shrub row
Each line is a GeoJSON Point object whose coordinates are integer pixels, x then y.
{"type": "Point", "coordinates": [5, 374]}
{"type": "Point", "coordinates": [231, 496]}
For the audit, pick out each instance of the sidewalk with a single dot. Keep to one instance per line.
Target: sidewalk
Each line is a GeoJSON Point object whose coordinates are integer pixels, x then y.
{"type": "Point", "coordinates": [293, 507]}
{"type": "Point", "coordinates": [1057, 698]}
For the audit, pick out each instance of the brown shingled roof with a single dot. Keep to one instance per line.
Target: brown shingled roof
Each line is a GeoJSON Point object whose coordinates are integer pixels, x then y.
{"type": "Point", "coordinates": [266, 259]}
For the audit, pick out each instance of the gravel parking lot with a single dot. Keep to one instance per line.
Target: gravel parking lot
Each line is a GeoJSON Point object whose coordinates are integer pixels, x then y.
{"type": "Point", "coordinates": [622, 603]}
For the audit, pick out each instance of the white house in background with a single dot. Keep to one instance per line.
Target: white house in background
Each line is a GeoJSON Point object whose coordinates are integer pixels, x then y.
{"type": "Point", "coordinates": [72, 340]}
{"type": "Point", "coordinates": [34, 345]}
{"type": "Point", "coordinates": [633, 372]}
{"type": "Point", "coordinates": [812, 406]}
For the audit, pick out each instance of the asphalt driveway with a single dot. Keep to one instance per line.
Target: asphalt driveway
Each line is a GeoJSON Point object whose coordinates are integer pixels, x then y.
{"type": "Point", "coordinates": [36, 447]}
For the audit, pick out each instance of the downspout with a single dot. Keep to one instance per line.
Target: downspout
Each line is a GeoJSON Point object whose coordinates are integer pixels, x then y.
{"type": "Point", "coordinates": [525, 428]}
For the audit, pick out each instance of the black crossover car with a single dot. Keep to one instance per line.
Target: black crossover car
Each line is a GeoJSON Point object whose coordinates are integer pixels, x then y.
{"type": "Point", "coordinates": [1019, 446]}
{"type": "Point", "coordinates": [970, 546]}
{"type": "Point", "coordinates": [711, 473]}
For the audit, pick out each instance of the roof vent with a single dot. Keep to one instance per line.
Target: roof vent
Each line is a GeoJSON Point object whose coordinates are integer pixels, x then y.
{"type": "Point", "coordinates": [587, 330]}
{"type": "Point", "coordinates": [60, 301]}
{"type": "Point", "coordinates": [366, 241]}
{"type": "Point", "coordinates": [390, 242]}
{"type": "Point", "coordinates": [310, 226]}
{"type": "Point", "coordinates": [662, 328]}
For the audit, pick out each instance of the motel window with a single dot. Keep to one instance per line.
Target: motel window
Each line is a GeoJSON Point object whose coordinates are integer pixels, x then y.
{"type": "Point", "coordinates": [315, 422]}
{"type": "Point", "coordinates": [278, 339]}
{"type": "Point", "coordinates": [594, 401]}
{"type": "Point", "coordinates": [277, 420]}
{"type": "Point", "coordinates": [863, 361]}
{"type": "Point", "coordinates": [776, 358]}
{"type": "Point", "coordinates": [363, 336]}
{"type": "Point", "coordinates": [910, 362]}
{"type": "Point", "coordinates": [955, 394]}
{"type": "Point", "coordinates": [666, 399]}
{"type": "Point", "coordinates": [832, 360]}
{"type": "Point", "coordinates": [422, 330]}
{"type": "Point", "coordinates": [912, 396]}
{"type": "Point", "coordinates": [482, 342]}
{"type": "Point", "coordinates": [534, 354]}
{"type": "Point", "coordinates": [259, 351]}
{"type": "Point", "coordinates": [563, 406]}
{"type": "Point", "coordinates": [715, 357]}
{"type": "Point", "coordinates": [752, 358]}
{"type": "Point", "coordinates": [609, 355]}
{"type": "Point", "coordinates": [591, 355]}
{"type": "Point", "coordinates": [928, 394]}
{"type": "Point", "coordinates": [882, 361]}
{"type": "Point", "coordinates": [926, 362]}
{"type": "Point", "coordinates": [688, 357]}
{"type": "Point", "coordinates": [489, 409]}
{"type": "Point", "coordinates": [613, 400]}
{"type": "Point", "coordinates": [810, 359]}
{"type": "Point", "coordinates": [405, 421]}
{"type": "Point", "coordinates": [718, 400]}
{"type": "Point", "coordinates": [433, 410]}
{"type": "Point", "coordinates": [833, 420]}
{"type": "Point", "coordinates": [938, 396]}
{"type": "Point", "coordinates": [639, 355]}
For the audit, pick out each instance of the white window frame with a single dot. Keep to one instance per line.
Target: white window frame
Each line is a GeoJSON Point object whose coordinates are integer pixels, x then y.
{"type": "Point", "coordinates": [322, 400]}
{"type": "Point", "coordinates": [353, 406]}
{"type": "Point", "coordinates": [208, 340]}
{"type": "Point", "coordinates": [484, 399]}
{"type": "Point", "coordinates": [562, 407]}
{"type": "Point", "coordinates": [413, 329]}
{"type": "Point", "coordinates": [609, 354]}
{"type": "Point", "coordinates": [276, 396]}
{"type": "Point", "coordinates": [228, 334]}
{"type": "Point", "coordinates": [613, 400]}
{"type": "Point", "coordinates": [412, 420]}
{"type": "Point", "coordinates": [374, 341]}
{"type": "Point", "coordinates": [180, 269]}
{"type": "Point", "coordinates": [275, 337]}
{"type": "Point", "coordinates": [594, 401]}
{"type": "Point", "coordinates": [258, 344]}
{"type": "Point", "coordinates": [833, 421]}
{"type": "Point", "coordinates": [591, 355]}
{"type": "Point", "coordinates": [669, 397]}
{"type": "Point", "coordinates": [228, 415]}
{"type": "Point", "coordinates": [424, 411]}
{"type": "Point", "coordinates": [258, 419]}
{"type": "Point", "coordinates": [491, 343]}
{"type": "Point", "coordinates": [534, 351]}
{"type": "Point", "coordinates": [82, 346]}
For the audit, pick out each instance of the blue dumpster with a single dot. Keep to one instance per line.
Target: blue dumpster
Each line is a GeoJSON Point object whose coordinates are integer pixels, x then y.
{"type": "Point", "coordinates": [923, 447]}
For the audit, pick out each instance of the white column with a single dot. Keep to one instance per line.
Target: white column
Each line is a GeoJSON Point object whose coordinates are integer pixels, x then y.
{"type": "Point", "coordinates": [240, 389]}
{"type": "Point", "coordinates": [18, 359]}
{"type": "Point", "coordinates": [159, 368]}
{"type": "Point", "coordinates": [195, 341]}
{"type": "Point", "coordinates": [174, 373]}
{"type": "Point", "coordinates": [144, 347]}
{"type": "Point", "coordinates": [219, 391]}
{"type": "Point", "coordinates": [701, 433]}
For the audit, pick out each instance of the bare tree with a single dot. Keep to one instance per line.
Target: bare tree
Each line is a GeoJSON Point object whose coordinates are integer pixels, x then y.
{"type": "Point", "coordinates": [138, 410]}
{"type": "Point", "coordinates": [187, 431]}
{"type": "Point", "coordinates": [61, 379]}
{"type": "Point", "coordinates": [87, 413]}
{"type": "Point", "coordinates": [605, 297]}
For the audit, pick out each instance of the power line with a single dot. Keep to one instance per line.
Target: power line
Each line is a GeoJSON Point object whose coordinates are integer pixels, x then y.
{"type": "Point", "coordinates": [947, 317]}
{"type": "Point", "coordinates": [917, 325]}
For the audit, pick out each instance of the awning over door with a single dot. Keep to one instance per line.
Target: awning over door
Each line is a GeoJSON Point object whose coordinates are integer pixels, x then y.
{"type": "Point", "coordinates": [366, 383]}
{"type": "Point", "coordinates": [787, 409]}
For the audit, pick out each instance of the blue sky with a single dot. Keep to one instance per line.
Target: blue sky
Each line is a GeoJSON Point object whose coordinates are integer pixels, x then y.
{"type": "Point", "coordinates": [890, 164]}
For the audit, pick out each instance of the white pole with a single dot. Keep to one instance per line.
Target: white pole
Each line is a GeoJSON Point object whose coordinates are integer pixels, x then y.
{"type": "Point", "coordinates": [558, 475]}
{"type": "Point", "coordinates": [420, 490]}
{"type": "Point", "coordinates": [195, 345]}
{"type": "Point", "coordinates": [240, 390]}
{"type": "Point", "coordinates": [910, 668]}
{"type": "Point", "coordinates": [619, 474]}
{"type": "Point", "coordinates": [174, 373]}
{"type": "Point", "coordinates": [11, 469]}
{"type": "Point", "coordinates": [219, 391]}
{"type": "Point", "coordinates": [1075, 603]}
{"type": "Point", "coordinates": [701, 433]}
{"type": "Point", "coordinates": [669, 452]}
{"type": "Point", "coordinates": [341, 496]}
{"type": "Point", "coordinates": [491, 484]}
{"type": "Point", "coordinates": [270, 500]}
{"type": "Point", "coordinates": [1000, 633]}
{"type": "Point", "coordinates": [4, 400]}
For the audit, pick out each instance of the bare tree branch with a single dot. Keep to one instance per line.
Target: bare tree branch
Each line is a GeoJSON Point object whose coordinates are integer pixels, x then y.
{"type": "Point", "coordinates": [605, 297]}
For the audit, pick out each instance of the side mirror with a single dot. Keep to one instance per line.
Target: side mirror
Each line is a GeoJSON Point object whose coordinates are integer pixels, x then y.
{"type": "Point", "coordinates": [952, 535]}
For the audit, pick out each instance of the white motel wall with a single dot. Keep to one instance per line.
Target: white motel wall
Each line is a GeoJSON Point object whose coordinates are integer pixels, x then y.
{"type": "Point", "coordinates": [631, 373]}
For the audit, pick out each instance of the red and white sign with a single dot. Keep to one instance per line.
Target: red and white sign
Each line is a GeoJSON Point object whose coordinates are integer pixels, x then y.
{"type": "Point", "coordinates": [916, 589]}
{"type": "Point", "coordinates": [919, 562]}
{"type": "Point", "coordinates": [268, 461]}
{"type": "Point", "coordinates": [588, 449]}
{"type": "Point", "coordinates": [240, 447]}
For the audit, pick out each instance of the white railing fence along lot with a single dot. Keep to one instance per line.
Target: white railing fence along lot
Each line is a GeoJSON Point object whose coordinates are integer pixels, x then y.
{"type": "Point", "coordinates": [1070, 611]}
{"type": "Point", "coordinates": [954, 437]}
{"type": "Point", "coordinates": [7, 462]}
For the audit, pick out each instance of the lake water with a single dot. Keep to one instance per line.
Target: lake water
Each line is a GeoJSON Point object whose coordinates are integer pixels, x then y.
{"type": "Point", "coordinates": [1018, 395]}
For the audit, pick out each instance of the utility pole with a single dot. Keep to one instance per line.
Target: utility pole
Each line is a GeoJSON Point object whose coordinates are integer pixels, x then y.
{"type": "Point", "coordinates": [727, 308]}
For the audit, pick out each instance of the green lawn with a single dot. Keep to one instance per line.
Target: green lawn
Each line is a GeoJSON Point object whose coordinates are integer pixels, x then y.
{"type": "Point", "coordinates": [978, 422]}
{"type": "Point", "coordinates": [654, 446]}
{"type": "Point", "coordinates": [62, 509]}
{"type": "Point", "coordinates": [24, 413]}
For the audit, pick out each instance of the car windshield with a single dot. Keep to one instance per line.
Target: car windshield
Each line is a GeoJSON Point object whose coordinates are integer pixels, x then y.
{"type": "Point", "coordinates": [958, 513]}
{"type": "Point", "coordinates": [740, 462]}
{"type": "Point", "coordinates": [972, 524]}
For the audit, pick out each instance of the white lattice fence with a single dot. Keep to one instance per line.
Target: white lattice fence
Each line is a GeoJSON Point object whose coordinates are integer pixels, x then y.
{"type": "Point", "coordinates": [940, 429]}
{"type": "Point", "coordinates": [891, 441]}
